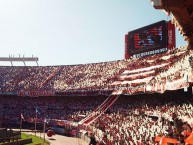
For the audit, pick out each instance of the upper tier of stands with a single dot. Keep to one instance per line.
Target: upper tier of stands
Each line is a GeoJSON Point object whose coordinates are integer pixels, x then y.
{"type": "Point", "coordinates": [59, 78]}
{"type": "Point", "coordinates": [114, 75]}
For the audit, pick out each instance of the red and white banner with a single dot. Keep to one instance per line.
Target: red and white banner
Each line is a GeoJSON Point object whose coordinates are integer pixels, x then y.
{"type": "Point", "coordinates": [127, 55]}
{"type": "Point", "coordinates": [134, 91]}
{"type": "Point", "coordinates": [171, 35]}
{"type": "Point", "coordinates": [178, 84]}
{"type": "Point", "coordinates": [157, 87]}
{"type": "Point", "coordinates": [161, 88]}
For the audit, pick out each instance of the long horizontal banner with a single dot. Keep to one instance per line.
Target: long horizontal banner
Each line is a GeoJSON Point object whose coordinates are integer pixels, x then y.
{"type": "Point", "coordinates": [175, 85]}
{"type": "Point", "coordinates": [157, 87]}
{"type": "Point", "coordinates": [36, 93]}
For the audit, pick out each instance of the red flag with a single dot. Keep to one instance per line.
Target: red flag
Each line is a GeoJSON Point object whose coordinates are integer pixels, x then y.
{"type": "Point", "coordinates": [189, 140]}
{"type": "Point", "coordinates": [186, 132]}
{"type": "Point", "coordinates": [164, 140]}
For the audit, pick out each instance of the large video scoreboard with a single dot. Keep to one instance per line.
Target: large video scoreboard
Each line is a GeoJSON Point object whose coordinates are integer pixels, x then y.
{"type": "Point", "coordinates": [150, 38]}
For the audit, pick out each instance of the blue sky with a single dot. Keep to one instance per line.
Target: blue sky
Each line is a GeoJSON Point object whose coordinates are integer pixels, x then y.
{"type": "Point", "coordinates": [65, 32]}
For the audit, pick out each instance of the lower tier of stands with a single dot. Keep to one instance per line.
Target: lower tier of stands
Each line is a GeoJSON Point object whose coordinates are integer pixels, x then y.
{"type": "Point", "coordinates": [136, 119]}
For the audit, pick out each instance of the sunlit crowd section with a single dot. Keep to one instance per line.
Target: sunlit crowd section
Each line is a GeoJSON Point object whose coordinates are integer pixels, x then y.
{"type": "Point", "coordinates": [96, 76]}
{"type": "Point", "coordinates": [138, 101]}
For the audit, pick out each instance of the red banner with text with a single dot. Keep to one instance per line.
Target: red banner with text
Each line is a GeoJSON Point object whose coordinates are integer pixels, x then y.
{"type": "Point", "coordinates": [171, 35]}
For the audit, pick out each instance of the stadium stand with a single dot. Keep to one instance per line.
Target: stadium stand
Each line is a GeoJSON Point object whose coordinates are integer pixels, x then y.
{"type": "Point", "coordinates": [138, 101]}
{"type": "Point", "coordinates": [60, 78]}
{"type": "Point", "coordinates": [88, 98]}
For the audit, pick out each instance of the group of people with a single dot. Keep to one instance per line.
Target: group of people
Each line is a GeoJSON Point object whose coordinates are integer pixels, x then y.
{"type": "Point", "coordinates": [98, 78]}
{"type": "Point", "coordinates": [71, 108]}
{"type": "Point", "coordinates": [130, 120]}
{"type": "Point", "coordinates": [67, 78]}
{"type": "Point", "coordinates": [158, 70]}
{"type": "Point", "coordinates": [136, 120]}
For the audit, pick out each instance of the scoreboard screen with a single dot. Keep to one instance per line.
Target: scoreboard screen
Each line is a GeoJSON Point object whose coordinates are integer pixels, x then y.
{"type": "Point", "coordinates": [148, 38]}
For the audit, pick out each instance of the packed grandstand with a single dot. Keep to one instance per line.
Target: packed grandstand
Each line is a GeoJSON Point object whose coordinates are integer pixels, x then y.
{"type": "Point", "coordinates": [133, 101]}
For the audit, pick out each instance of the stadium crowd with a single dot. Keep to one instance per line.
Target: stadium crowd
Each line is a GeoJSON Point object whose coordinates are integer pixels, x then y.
{"type": "Point", "coordinates": [139, 119]}
{"type": "Point", "coordinates": [101, 78]}
{"type": "Point", "coordinates": [96, 76]}
{"type": "Point", "coordinates": [158, 66]}
{"type": "Point", "coordinates": [131, 120]}
{"type": "Point", "coordinates": [62, 108]}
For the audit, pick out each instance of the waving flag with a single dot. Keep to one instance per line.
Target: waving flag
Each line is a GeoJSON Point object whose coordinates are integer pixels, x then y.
{"type": "Point", "coordinates": [22, 117]}
{"type": "Point", "coordinates": [37, 111]}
